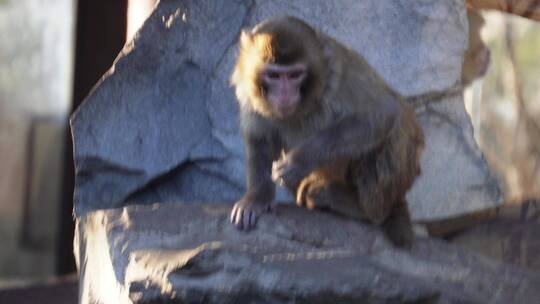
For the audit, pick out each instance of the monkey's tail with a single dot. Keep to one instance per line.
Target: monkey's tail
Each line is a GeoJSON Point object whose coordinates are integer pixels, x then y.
{"type": "Point", "coordinates": [420, 100]}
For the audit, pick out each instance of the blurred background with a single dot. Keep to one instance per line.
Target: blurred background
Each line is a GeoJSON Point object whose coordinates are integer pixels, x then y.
{"type": "Point", "coordinates": [52, 52]}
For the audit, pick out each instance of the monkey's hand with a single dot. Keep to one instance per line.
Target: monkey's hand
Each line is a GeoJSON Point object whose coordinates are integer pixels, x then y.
{"type": "Point", "coordinates": [289, 171]}
{"type": "Point", "coordinates": [246, 211]}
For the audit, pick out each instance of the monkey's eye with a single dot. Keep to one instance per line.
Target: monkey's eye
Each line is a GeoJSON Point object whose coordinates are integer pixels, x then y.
{"type": "Point", "coordinates": [272, 75]}
{"type": "Point", "coordinates": [296, 75]}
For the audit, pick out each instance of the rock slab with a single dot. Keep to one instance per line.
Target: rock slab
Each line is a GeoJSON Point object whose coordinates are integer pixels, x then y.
{"type": "Point", "coordinates": [181, 253]}
{"type": "Point", "coordinates": [162, 123]}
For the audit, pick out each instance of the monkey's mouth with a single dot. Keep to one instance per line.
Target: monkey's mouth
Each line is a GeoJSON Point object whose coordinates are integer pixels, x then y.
{"type": "Point", "coordinates": [285, 111]}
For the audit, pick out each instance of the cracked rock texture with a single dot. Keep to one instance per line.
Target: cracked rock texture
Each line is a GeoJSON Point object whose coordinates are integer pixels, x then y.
{"type": "Point", "coordinates": [186, 253]}
{"type": "Point", "coordinates": [162, 124]}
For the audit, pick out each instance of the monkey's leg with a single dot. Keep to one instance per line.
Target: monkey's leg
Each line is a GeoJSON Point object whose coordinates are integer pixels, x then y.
{"type": "Point", "coordinates": [379, 188]}
{"type": "Point", "coordinates": [392, 215]}
{"type": "Point", "coordinates": [398, 226]}
{"type": "Point", "coordinates": [375, 188]}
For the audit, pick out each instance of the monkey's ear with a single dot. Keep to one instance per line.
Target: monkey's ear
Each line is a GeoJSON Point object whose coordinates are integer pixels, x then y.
{"type": "Point", "coordinates": [245, 39]}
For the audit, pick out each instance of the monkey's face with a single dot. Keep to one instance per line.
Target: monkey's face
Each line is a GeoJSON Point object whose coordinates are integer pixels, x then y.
{"type": "Point", "coordinates": [280, 71]}
{"type": "Point", "coordinates": [282, 85]}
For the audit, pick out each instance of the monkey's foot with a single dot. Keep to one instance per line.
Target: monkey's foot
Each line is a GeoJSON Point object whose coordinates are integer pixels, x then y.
{"type": "Point", "coordinates": [329, 196]}
{"type": "Point", "coordinates": [245, 213]}
{"type": "Point", "coordinates": [398, 227]}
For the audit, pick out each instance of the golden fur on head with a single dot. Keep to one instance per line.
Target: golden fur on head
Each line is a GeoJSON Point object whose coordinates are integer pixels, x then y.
{"type": "Point", "coordinates": [283, 41]}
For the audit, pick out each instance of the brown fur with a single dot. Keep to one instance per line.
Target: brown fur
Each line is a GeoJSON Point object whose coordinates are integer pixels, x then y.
{"type": "Point", "coordinates": [352, 147]}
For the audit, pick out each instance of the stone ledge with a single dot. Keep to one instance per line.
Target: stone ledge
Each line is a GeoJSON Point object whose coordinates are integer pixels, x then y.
{"type": "Point", "coordinates": [180, 253]}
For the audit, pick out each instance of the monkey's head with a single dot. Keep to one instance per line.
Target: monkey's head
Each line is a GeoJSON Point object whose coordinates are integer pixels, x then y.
{"type": "Point", "coordinates": [280, 71]}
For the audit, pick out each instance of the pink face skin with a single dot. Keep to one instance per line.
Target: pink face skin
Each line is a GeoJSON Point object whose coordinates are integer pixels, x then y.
{"type": "Point", "coordinates": [283, 83]}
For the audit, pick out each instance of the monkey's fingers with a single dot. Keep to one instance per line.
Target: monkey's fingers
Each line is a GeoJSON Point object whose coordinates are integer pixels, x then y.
{"type": "Point", "coordinates": [252, 219]}
{"type": "Point", "coordinates": [236, 217]}
{"type": "Point", "coordinates": [243, 218]}
{"type": "Point", "coordinates": [282, 173]}
{"type": "Point", "coordinates": [233, 214]}
{"type": "Point", "coordinates": [276, 173]}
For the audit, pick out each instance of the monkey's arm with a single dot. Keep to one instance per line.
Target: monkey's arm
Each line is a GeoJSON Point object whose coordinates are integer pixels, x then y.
{"type": "Point", "coordinates": [260, 188]}
{"type": "Point", "coordinates": [349, 138]}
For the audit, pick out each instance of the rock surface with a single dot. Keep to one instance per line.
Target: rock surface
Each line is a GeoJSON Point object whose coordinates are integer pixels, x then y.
{"type": "Point", "coordinates": [181, 253]}
{"type": "Point", "coordinates": [162, 124]}
{"type": "Point", "coordinates": [512, 235]}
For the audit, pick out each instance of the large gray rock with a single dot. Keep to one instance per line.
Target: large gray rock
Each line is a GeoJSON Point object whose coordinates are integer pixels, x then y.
{"type": "Point", "coordinates": [455, 178]}
{"type": "Point", "coordinates": [176, 253]}
{"type": "Point", "coordinates": [162, 124]}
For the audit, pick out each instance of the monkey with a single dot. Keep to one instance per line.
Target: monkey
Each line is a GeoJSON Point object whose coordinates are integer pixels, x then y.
{"type": "Point", "coordinates": [319, 120]}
